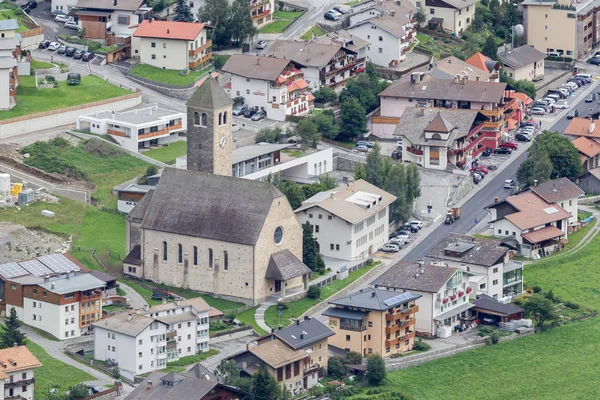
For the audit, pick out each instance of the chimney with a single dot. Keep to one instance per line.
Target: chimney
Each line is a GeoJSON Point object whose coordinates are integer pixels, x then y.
{"type": "Point", "coordinates": [146, 307]}
{"type": "Point", "coordinates": [46, 279]}
{"type": "Point", "coordinates": [455, 78]}
{"type": "Point", "coordinates": [52, 285]}
{"type": "Point", "coordinates": [168, 31]}
{"type": "Point", "coordinates": [178, 301]}
{"type": "Point", "coordinates": [302, 336]}
{"type": "Point", "coordinates": [149, 382]}
{"type": "Point", "coordinates": [257, 61]}
{"type": "Point", "coordinates": [449, 61]}
{"type": "Point", "coordinates": [129, 317]}
{"type": "Point", "coordinates": [164, 301]}
{"type": "Point", "coordinates": [535, 182]}
{"type": "Point", "coordinates": [592, 125]}
{"type": "Point", "coordinates": [477, 78]}
{"type": "Point", "coordinates": [68, 275]}
{"type": "Point", "coordinates": [272, 330]}
{"type": "Point", "coordinates": [422, 111]}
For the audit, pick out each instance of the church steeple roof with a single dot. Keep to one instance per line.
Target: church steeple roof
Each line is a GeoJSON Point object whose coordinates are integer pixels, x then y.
{"type": "Point", "coordinates": [209, 95]}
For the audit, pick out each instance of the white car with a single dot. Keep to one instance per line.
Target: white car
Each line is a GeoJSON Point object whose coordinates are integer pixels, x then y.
{"type": "Point", "coordinates": [562, 105]}
{"type": "Point", "coordinates": [509, 184]}
{"type": "Point", "coordinates": [418, 224]}
{"type": "Point", "coordinates": [71, 25]}
{"type": "Point", "coordinates": [400, 239]}
{"type": "Point", "coordinates": [538, 111]}
{"type": "Point", "coordinates": [334, 12]}
{"type": "Point", "coordinates": [62, 18]}
{"type": "Point", "coordinates": [53, 46]}
{"type": "Point", "coordinates": [390, 248]}
{"type": "Point", "coordinates": [549, 100]}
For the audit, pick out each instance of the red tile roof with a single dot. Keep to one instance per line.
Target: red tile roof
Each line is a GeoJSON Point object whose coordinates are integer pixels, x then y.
{"type": "Point", "coordinates": [581, 127]}
{"type": "Point", "coordinates": [478, 60]}
{"type": "Point", "coordinates": [586, 146]}
{"type": "Point", "coordinates": [548, 232]}
{"type": "Point", "coordinates": [169, 30]}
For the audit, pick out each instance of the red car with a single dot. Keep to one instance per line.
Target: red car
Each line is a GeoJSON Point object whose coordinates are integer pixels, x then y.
{"type": "Point", "coordinates": [510, 144]}
{"type": "Point", "coordinates": [480, 168]}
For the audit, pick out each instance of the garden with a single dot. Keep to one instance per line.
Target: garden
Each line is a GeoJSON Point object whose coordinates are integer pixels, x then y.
{"type": "Point", "coordinates": [439, 47]}
{"type": "Point", "coordinates": [168, 153]}
{"type": "Point", "coordinates": [169, 76]}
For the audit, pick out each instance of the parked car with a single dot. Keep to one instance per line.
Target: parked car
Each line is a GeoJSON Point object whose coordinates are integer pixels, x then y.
{"type": "Point", "coordinates": [249, 112]}
{"type": "Point", "coordinates": [77, 55]}
{"type": "Point", "coordinates": [562, 105]}
{"type": "Point", "coordinates": [62, 49]}
{"type": "Point", "coordinates": [331, 16]}
{"type": "Point", "coordinates": [70, 51]}
{"type": "Point", "coordinates": [488, 151]}
{"type": "Point", "coordinates": [71, 25]}
{"type": "Point", "coordinates": [261, 44]}
{"type": "Point", "coordinates": [590, 97]}
{"type": "Point", "coordinates": [32, 4]}
{"type": "Point", "coordinates": [365, 143]}
{"type": "Point", "coordinates": [397, 155]}
{"type": "Point", "coordinates": [53, 46]}
{"type": "Point", "coordinates": [480, 168]}
{"type": "Point", "coordinates": [94, 389]}
{"type": "Point", "coordinates": [594, 60]}
{"type": "Point", "coordinates": [503, 150]}
{"type": "Point", "coordinates": [88, 56]}
{"type": "Point", "coordinates": [477, 178]}
{"type": "Point", "coordinates": [390, 248]}
{"type": "Point", "coordinates": [57, 12]}
{"type": "Point", "coordinates": [239, 109]}
{"type": "Point", "coordinates": [62, 18]}
{"type": "Point", "coordinates": [510, 144]}
{"type": "Point", "coordinates": [44, 44]}
{"type": "Point", "coordinates": [400, 232]}
{"type": "Point", "coordinates": [262, 114]}
{"type": "Point", "coordinates": [522, 137]}
{"type": "Point", "coordinates": [25, 7]}
{"type": "Point", "coordinates": [529, 123]}
{"type": "Point", "coordinates": [408, 227]}
{"type": "Point", "coordinates": [416, 223]}
{"type": "Point", "coordinates": [340, 10]}
{"type": "Point", "coordinates": [538, 111]}
{"type": "Point", "coordinates": [361, 149]}
{"type": "Point", "coordinates": [509, 184]}
{"type": "Point", "coordinates": [572, 114]}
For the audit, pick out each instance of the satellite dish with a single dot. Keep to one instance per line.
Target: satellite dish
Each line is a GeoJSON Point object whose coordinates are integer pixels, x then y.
{"type": "Point", "coordinates": [518, 31]}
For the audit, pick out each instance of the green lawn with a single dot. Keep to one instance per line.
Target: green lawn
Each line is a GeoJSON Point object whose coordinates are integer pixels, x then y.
{"type": "Point", "coordinates": [145, 293]}
{"type": "Point", "coordinates": [247, 317]}
{"type": "Point", "coordinates": [299, 307]}
{"type": "Point", "coordinates": [168, 154]}
{"type": "Point", "coordinates": [316, 30]}
{"type": "Point", "coordinates": [292, 15]}
{"type": "Point", "coordinates": [196, 358]}
{"type": "Point", "coordinates": [8, 13]}
{"type": "Point", "coordinates": [277, 26]}
{"type": "Point", "coordinates": [293, 153]}
{"type": "Point", "coordinates": [54, 373]}
{"type": "Point", "coordinates": [353, 3]}
{"type": "Point", "coordinates": [33, 100]}
{"type": "Point", "coordinates": [219, 304]}
{"type": "Point", "coordinates": [41, 64]}
{"type": "Point", "coordinates": [168, 76]}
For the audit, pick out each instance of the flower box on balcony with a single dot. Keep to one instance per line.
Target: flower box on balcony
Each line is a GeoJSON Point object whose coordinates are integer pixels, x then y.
{"type": "Point", "coordinates": [461, 294]}
{"type": "Point", "coordinates": [446, 300]}
{"type": "Point", "coordinates": [469, 290]}
{"type": "Point", "coordinates": [453, 297]}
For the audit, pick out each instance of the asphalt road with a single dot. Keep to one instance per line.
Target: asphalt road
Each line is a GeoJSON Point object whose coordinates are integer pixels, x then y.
{"type": "Point", "coordinates": [473, 209]}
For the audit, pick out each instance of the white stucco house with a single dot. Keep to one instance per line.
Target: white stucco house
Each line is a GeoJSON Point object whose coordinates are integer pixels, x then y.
{"type": "Point", "coordinates": [17, 373]}
{"type": "Point", "coordinates": [454, 16]}
{"type": "Point", "coordinates": [349, 222]}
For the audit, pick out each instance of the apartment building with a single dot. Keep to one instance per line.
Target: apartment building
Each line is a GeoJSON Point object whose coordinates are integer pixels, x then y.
{"type": "Point", "coordinates": [323, 62]}
{"type": "Point", "coordinates": [261, 12]}
{"type": "Point", "coordinates": [494, 272]}
{"type": "Point", "coordinates": [172, 45]}
{"type": "Point", "coordinates": [136, 129]}
{"type": "Point", "coordinates": [188, 326]}
{"type": "Point", "coordinates": [349, 222]}
{"type": "Point", "coordinates": [17, 373]}
{"type": "Point", "coordinates": [441, 294]}
{"type": "Point", "coordinates": [453, 16]}
{"type": "Point", "coordinates": [10, 55]}
{"type": "Point", "coordinates": [275, 85]}
{"type": "Point", "coordinates": [136, 343]}
{"type": "Point", "coordinates": [374, 321]}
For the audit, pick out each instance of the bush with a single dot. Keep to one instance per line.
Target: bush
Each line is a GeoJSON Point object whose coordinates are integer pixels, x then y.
{"type": "Point", "coordinates": [314, 292]}
{"type": "Point", "coordinates": [353, 357]}
{"type": "Point", "coordinates": [550, 295]}
{"type": "Point", "coordinates": [268, 135]}
{"type": "Point", "coordinates": [47, 156]}
{"type": "Point", "coordinates": [325, 95]}
{"type": "Point", "coordinates": [485, 331]}
{"type": "Point", "coordinates": [572, 305]}
{"type": "Point", "coordinates": [335, 367]}
{"type": "Point", "coordinates": [396, 355]}
{"type": "Point", "coordinates": [93, 45]}
{"type": "Point", "coordinates": [421, 346]}
{"type": "Point", "coordinates": [536, 289]}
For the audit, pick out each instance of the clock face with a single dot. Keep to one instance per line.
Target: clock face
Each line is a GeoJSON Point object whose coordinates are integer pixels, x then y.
{"type": "Point", "coordinates": [222, 141]}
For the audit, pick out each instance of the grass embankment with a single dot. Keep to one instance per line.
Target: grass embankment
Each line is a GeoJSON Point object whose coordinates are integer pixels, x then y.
{"type": "Point", "coordinates": [315, 31]}
{"type": "Point", "coordinates": [247, 317]}
{"type": "Point", "coordinates": [168, 76]}
{"type": "Point", "coordinates": [37, 64]}
{"type": "Point", "coordinates": [281, 20]}
{"type": "Point", "coordinates": [33, 100]}
{"type": "Point", "coordinates": [168, 154]}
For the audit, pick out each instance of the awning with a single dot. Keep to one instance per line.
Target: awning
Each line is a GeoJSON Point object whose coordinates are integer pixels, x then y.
{"type": "Point", "coordinates": [343, 313]}
{"type": "Point", "coordinates": [512, 265]}
{"type": "Point", "coordinates": [549, 232]}
{"type": "Point", "coordinates": [454, 311]}
{"type": "Point", "coordinates": [284, 265]}
{"type": "Point", "coordinates": [486, 303]}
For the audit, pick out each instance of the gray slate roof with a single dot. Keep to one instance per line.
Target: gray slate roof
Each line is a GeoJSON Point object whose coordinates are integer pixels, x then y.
{"type": "Point", "coordinates": [257, 67]}
{"type": "Point", "coordinates": [486, 252]}
{"type": "Point", "coordinates": [486, 302]}
{"type": "Point", "coordinates": [310, 54]}
{"type": "Point", "coordinates": [129, 5]}
{"type": "Point", "coordinates": [284, 265]}
{"type": "Point", "coordinates": [135, 256]}
{"type": "Point", "coordinates": [339, 312]}
{"type": "Point", "coordinates": [119, 323]}
{"type": "Point", "coordinates": [408, 276]}
{"type": "Point", "coordinates": [209, 95]}
{"type": "Point", "coordinates": [8, 24]}
{"type": "Point", "coordinates": [521, 56]}
{"type": "Point", "coordinates": [460, 4]}
{"type": "Point", "coordinates": [73, 284]}
{"type": "Point", "coordinates": [138, 212]}
{"type": "Point", "coordinates": [304, 333]}
{"type": "Point", "coordinates": [374, 299]}
{"type": "Point", "coordinates": [557, 190]}
{"type": "Point", "coordinates": [210, 206]}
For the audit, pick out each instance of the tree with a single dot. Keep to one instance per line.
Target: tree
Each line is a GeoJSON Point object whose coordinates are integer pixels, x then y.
{"type": "Point", "coordinates": [396, 184]}
{"type": "Point", "coordinates": [183, 12]}
{"type": "Point", "coordinates": [325, 95]}
{"type": "Point", "coordinates": [375, 168]}
{"type": "Point", "coordinates": [217, 12]}
{"type": "Point", "coordinates": [314, 292]}
{"type": "Point", "coordinates": [335, 367]}
{"type": "Point", "coordinates": [420, 16]}
{"type": "Point", "coordinates": [537, 167]}
{"type": "Point", "coordinates": [325, 123]}
{"type": "Point", "coordinates": [353, 357]}
{"type": "Point", "coordinates": [490, 48]}
{"type": "Point", "coordinates": [293, 192]}
{"type": "Point", "coordinates": [364, 89]}
{"type": "Point", "coordinates": [310, 253]}
{"type": "Point", "coordinates": [268, 135]}
{"type": "Point", "coordinates": [375, 370]}
{"type": "Point", "coordinates": [79, 391]}
{"type": "Point", "coordinates": [359, 172]}
{"type": "Point", "coordinates": [264, 386]}
{"type": "Point", "coordinates": [226, 372]}
{"type": "Point", "coordinates": [218, 61]}
{"type": "Point", "coordinates": [240, 23]}
{"type": "Point", "coordinates": [307, 130]}
{"type": "Point", "coordinates": [540, 309]}
{"type": "Point", "coordinates": [10, 333]}
{"type": "Point", "coordinates": [413, 182]}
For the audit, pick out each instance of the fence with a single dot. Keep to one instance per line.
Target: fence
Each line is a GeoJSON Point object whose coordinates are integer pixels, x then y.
{"type": "Point", "coordinates": [329, 279]}
{"type": "Point", "coordinates": [440, 35]}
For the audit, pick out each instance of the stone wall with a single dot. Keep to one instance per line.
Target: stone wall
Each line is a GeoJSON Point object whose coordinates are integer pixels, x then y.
{"type": "Point", "coordinates": [460, 190]}
{"type": "Point", "coordinates": [342, 162]}
{"type": "Point", "coordinates": [179, 93]}
{"type": "Point", "coordinates": [231, 335]}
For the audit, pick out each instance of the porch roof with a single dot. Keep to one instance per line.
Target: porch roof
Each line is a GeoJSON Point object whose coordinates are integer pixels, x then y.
{"type": "Point", "coordinates": [454, 311]}
{"type": "Point", "coordinates": [284, 265]}
{"type": "Point", "coordinates": [549, 232]}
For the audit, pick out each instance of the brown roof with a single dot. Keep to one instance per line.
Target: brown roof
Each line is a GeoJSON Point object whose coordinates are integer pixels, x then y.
{"type": "Point", "coordinates": [408, 276]}
{"type": "Point", "coordinates": [452, 66]}
{"type": "Point", "coordinates": [586, 146]}
{"type": "Point", "coordinates": [128, 5]}
{"type": "Point", "coordinates": [16, 359]}
{"type": "Point", "coordinates": [548, 232]}
{"type": "Point", "coordinates": [197, 302]}
{"type": "Point", "coordinates": [256, 67]}
{"type": "Point", "coordinates": [311, 53]}
{"type": "Point", "coordinates": [581, 127]}
{"type": "Point", "coordinates": [439, 124]}
{"type": "Point", "coordinates": [478, 60]}
{"type": "Point", "coordinates": [446, 89]}
{"type": "Point", "coordinates": [534, 211]}
{"type": "Point", "coordinates": [557, 190]}
{"type": "Point", "coordinates": [169, 30]}
{"type": "Point", "coordinates": [276, 353]}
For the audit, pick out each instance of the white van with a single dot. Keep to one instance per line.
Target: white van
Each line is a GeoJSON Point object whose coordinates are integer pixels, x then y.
{"type": "Point", "coordinates": [587, 77]}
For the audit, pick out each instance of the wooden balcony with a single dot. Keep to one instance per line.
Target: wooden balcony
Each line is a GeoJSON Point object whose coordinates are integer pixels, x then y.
{"type": "Point", "coordinates": [494, 125]}
{"type": "Point", "coordinates": [195, 52]}
{"type": "Point", "coordinates": [401, 313]}
{"type": "Point", "coordinates": [257, 3]}
{"type": "Point", "coordinates": [261, 14]}
{"type": "Point", "coordinates": [171, 334]}
{"type": "Point", "coordinates": [24, 382]}
{"type": "Point", "coordinates": [399, 340]}
{"type": "Point", "coordinates": [175, 127]}
{"type": "Point", "coordinates": [402, 324]}
{"type": "Point", "coordinates": [164, 131]}
{"type": "Point", "coordinates": [196, 63]}
{"type": "Point", "coordinates": [415, 151]}
{"type": "Point", "coordinates": [115, 133]}
{"type": "Point", "coordinates": [335, 71]}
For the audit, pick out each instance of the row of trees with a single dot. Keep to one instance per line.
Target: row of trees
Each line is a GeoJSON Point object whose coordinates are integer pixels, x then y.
{"type": "Point", "coordinates": [403, 181]}
{"type": "Point", "coordinates": [551, 156]}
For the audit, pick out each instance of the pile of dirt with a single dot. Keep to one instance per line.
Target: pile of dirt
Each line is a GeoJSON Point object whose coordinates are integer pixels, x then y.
{"type": "Point", "coordinates": [18, 243]}
{"type": "Point", "coordinates": [99, 148]}
{"type": "Point", "coordinates": [10, 151]}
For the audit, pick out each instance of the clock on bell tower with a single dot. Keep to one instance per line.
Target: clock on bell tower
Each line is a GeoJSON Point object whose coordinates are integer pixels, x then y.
{"type": "Point", "coordinates": [209, 129]}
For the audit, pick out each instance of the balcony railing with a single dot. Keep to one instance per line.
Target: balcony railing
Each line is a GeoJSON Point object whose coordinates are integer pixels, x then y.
{"type": "Point", "coordinates": [171, 334]}
{"type": "Point", "coordinates": [262, 14]}
{"type": "Point", "coordinates": [174, 127]}
{"type": "Point", "coordinates": [196, 63]}
{"type": "Point", "coordinates": [474, 143]}
{"type": "Point", "coordinates": [401, 324]}
{"type": "Point", "coordinates": [400, 339]}
{"type": "Point", "coordinates": [401, 313]}
{"type": "Point", "coordinates": [258, 3]}
{"type": "Point", "coordinates": [24, 382]}
{"type": "Point", "coordinates": [512, 280]}
{"type": "Point", "coordinates": [195, 52]}
{"type": "Point", "coordinates": [335, 71]}
{"type": "Point", "coordinates": [474, 130]}
{"type": "Point", "coordinates": [164, 131]}
{"type": "Point", "coordinates": [115, 133]}
{"type": "Point", "coordinates": [415, 151]}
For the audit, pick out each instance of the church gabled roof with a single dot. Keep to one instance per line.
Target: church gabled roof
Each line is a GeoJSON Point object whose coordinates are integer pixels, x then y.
{"type": "Point", "coordinates": [439, 124]}
{"type": "Point", "coordinates": [209, 95]}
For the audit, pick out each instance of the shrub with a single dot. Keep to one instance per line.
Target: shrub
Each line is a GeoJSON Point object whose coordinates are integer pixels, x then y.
{"type": "Point", "coordinates": [422, 346]}
{"type": "Point", "coordinates": [93, 45]}
{"type": "Point", "coordinates": [314, 292]}
{"type": "Point", "coordinates": [495, 337]}
{"type": "Point", "coordinates": [353, 357]}
{"type": "Point", "coordinates": [268, 135]}
{"type": "Point", "coordinates": [325, 95]}
{"type": "Point", "coordinates": [396, 355]}
{"type": "Point", "coordinates": [550, 295]}
{"type": "Point", "coordinates": [572, 305]}
{"type": "Point", "coordinates": [335, 367]}
{"type": "Point", "coordinates": [485, 331]}
{"type": "Point", "coordinates": [536, 289]}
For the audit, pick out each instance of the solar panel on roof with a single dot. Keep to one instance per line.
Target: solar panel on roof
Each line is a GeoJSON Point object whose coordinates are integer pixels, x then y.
{"type": "Point", "coordinates": [398, 299]}
{"type": "Point", "coordinates": [58, 263]}
{"type": "Point", "coordinates": [11, 270]}
{"type": "Point", "coordinates": [35, 268]}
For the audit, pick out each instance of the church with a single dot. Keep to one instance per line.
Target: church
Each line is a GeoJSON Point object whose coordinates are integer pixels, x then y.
{"type": "Point", "coordinates": [204, 230]}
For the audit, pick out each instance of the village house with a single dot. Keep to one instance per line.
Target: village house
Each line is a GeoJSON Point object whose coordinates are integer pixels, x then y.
{"type": "Point", "coordinates": [443, 294]}
{"type": "Point", "coordinates": [261, 12]}
{"type": "Point", "coordinates": [453, 16]}
{"type": "Point", "coordinates": [10, 57]}
{"type": "Point", "coordinates": [349, 222]}
{"type": "Point", "coordinates": [323, 63]}
{"type": "Point", "coordinates": [17, 373]}
{"type": "Point", "coordinates": [489, 260]}
{"type": "Point", "coordinates": [523, 63]}
{"type": "Point", "coordinates": [486, 64]}
{"type": "Point", "coordinates": [274, 85]}
{"type": "Point", "coordinates": [374, 321]}
{"type": "Point", "coordinates": [172, 45]}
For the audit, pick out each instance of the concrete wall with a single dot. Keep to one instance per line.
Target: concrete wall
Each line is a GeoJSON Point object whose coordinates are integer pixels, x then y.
{"type": "Point", "coordinates": [4, 89]}
{"type": "Point", "coordinates": [225, 337]}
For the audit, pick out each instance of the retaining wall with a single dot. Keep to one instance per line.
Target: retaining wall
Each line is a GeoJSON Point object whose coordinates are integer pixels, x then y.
{"type": "Point", "coordinates": [231, 335]}
{"type": "Point", "coordinates": [345, 163]}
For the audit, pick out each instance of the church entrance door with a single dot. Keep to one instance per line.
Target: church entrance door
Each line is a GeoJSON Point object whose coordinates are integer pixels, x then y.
{"type": "Point", "coordinates": [277, 286]}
